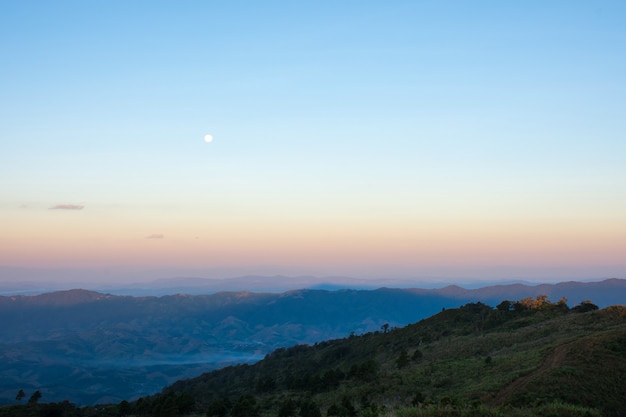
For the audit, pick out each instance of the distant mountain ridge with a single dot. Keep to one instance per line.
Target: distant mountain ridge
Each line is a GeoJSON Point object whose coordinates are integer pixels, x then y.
{"type": "Point", "coordinates": [94, 347]}
{"type": "Point", "coordinates": [608, 292]}
{"type": "Point", "coordinates": [59, 298]}
{"type": "Point", "coordinates": [603, 293]}
{"type": "Point", "coordinates": [15, 281]}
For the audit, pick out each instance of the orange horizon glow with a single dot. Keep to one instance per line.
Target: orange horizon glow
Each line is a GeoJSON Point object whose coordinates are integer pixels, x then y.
{"type": "Point", "coordinates": [407, 241]}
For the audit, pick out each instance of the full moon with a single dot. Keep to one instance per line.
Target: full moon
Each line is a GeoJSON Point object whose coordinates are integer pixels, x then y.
{"type": "Point", "coordinates": [208, 138]}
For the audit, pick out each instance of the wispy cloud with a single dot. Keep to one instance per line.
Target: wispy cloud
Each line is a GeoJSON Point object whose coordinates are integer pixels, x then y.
{"type": "Point", "coordinates": [155, 236]}
{"type": "Point", "coordinates": [67, 207]}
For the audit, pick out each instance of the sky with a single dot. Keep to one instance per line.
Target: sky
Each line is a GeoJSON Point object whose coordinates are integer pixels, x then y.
{"type": "Point", "coordinates": [401, 139]}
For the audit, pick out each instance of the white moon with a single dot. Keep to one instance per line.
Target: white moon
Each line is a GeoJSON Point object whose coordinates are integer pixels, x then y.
{"type": "Point", "coordinates": [208, 138]}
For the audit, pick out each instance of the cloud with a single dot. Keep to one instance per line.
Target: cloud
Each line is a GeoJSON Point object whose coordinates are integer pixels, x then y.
{"type": "Point", "coordinates": [67, 207]}
{"type": "Point", "coordinates": [155, 236]}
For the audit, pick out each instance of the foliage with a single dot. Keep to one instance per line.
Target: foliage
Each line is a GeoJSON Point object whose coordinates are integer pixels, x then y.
{"type": "Point", "coordinates": [555, 409]}
{"type": "Point", "coordinates": [508, 356]}
{"type": "Point", "coordinates": [20, 395]}
{"type": "Point", "coordinates": [35, 397]}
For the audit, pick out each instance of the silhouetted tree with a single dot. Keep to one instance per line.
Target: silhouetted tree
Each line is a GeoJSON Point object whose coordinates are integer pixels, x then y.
{"type": "Point", "coordinates": [505, 305]}
{"type": "Point", "coordinates": [35, 397]}
{"type": "Point", "coordinates": [142, 406]}
{"type": "Point", "coordinates": [124, 409]}
{"type": "Point", "coordinates": [51, 410]}
{"type": "Point", "coordinates": [20, 395]}
{"type": "Point", "coordinates": [62, 409]}
{"type": "Point", "coordinates": [585, 306]}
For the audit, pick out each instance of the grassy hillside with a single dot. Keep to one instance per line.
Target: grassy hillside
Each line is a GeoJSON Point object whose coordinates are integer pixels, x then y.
{"type": "Point", "coordinates": [533, 357]}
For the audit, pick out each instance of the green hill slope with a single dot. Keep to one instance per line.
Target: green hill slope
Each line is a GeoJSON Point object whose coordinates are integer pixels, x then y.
{"type": "Point", "coordinates": [527, 357]}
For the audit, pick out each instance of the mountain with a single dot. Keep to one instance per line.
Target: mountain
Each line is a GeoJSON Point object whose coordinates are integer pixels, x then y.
{"type": "Point", "coordinates": [603, 293]}
{"type": "Point", "coordinates": [522, 359]}
{"type": "Point", "coordinates": [92, 347]}
{"type": "Point", "coordinates": [15, 281]}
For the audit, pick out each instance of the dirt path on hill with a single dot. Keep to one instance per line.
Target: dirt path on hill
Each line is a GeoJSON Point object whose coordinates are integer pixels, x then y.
{"type": "Point", "coordinates": [550, 362]}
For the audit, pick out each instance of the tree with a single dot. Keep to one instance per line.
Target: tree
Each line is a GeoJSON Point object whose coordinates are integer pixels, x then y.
{"type": "Point", "coordinates": [541, 301]}
{"type": "Point", "coordinates": [142, 406]}
{"type": "Point", "coordinates": [35, 397]}
{"type": "Point", "coordinates": [266, 384]}
{"type": "Point", "coordinates": [309, 408]}
{"type": "Point", "coordinates": [524, 304]}
{"type": "Point", "coordinates": [217, 408]}
{"type": "Point", "coordinates": [364, 371]}
{"type": "Point", "coordinates": [246, 406]}
{"type": "Point", "coordinates": [418, 398]}
{"type": "Point", "coordinates": [403, 359]}
{"type": "Point", "coordinates": [165, 407]}
{"type": "Point", "coordinates": [347, 407]}
{"type": "Point", "coordinates": [585, 306]}
{"type": "Point", "coordinates": [505, 305]}
{"type": "Point", "coordinates": [333, 410]}
{"type": "Point", "coordinates": [62, 409]}
{"type": "Point", "coordinates": [185, 403]}
{"type": "Point", "coordinates": [385, 327]}
{"type": "Point", "coordinates": [124, 409]}
{"type": "Point", "coordinates": [561, 305]}
{"type": "Point", "coordinates": [20, 395]}
{"type": "Point", "coordinates": [287, 408]}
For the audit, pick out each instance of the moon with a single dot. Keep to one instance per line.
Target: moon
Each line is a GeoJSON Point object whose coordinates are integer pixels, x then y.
{"type": "Point", "coordinates": [208, 138]}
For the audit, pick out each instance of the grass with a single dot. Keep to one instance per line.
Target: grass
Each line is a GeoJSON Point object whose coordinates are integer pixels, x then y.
{"type": "Point", "coordinates": [553, 409]}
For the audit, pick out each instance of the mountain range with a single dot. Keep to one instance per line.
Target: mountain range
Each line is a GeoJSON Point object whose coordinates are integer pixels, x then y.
{"type": "Point", "coordinates": [20, 281]}
{"type": "Point", "coordinates": [93, 347]}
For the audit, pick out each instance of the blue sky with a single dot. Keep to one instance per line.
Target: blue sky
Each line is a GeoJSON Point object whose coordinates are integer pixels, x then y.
{"type": "Point", "coordinates": [413, 139]}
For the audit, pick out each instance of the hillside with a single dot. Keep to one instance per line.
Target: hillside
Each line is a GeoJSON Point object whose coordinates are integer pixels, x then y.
{"type": "Point", "coordinates": [521, 360]}
{"type": "Point", "coordinates": [94, 348]}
